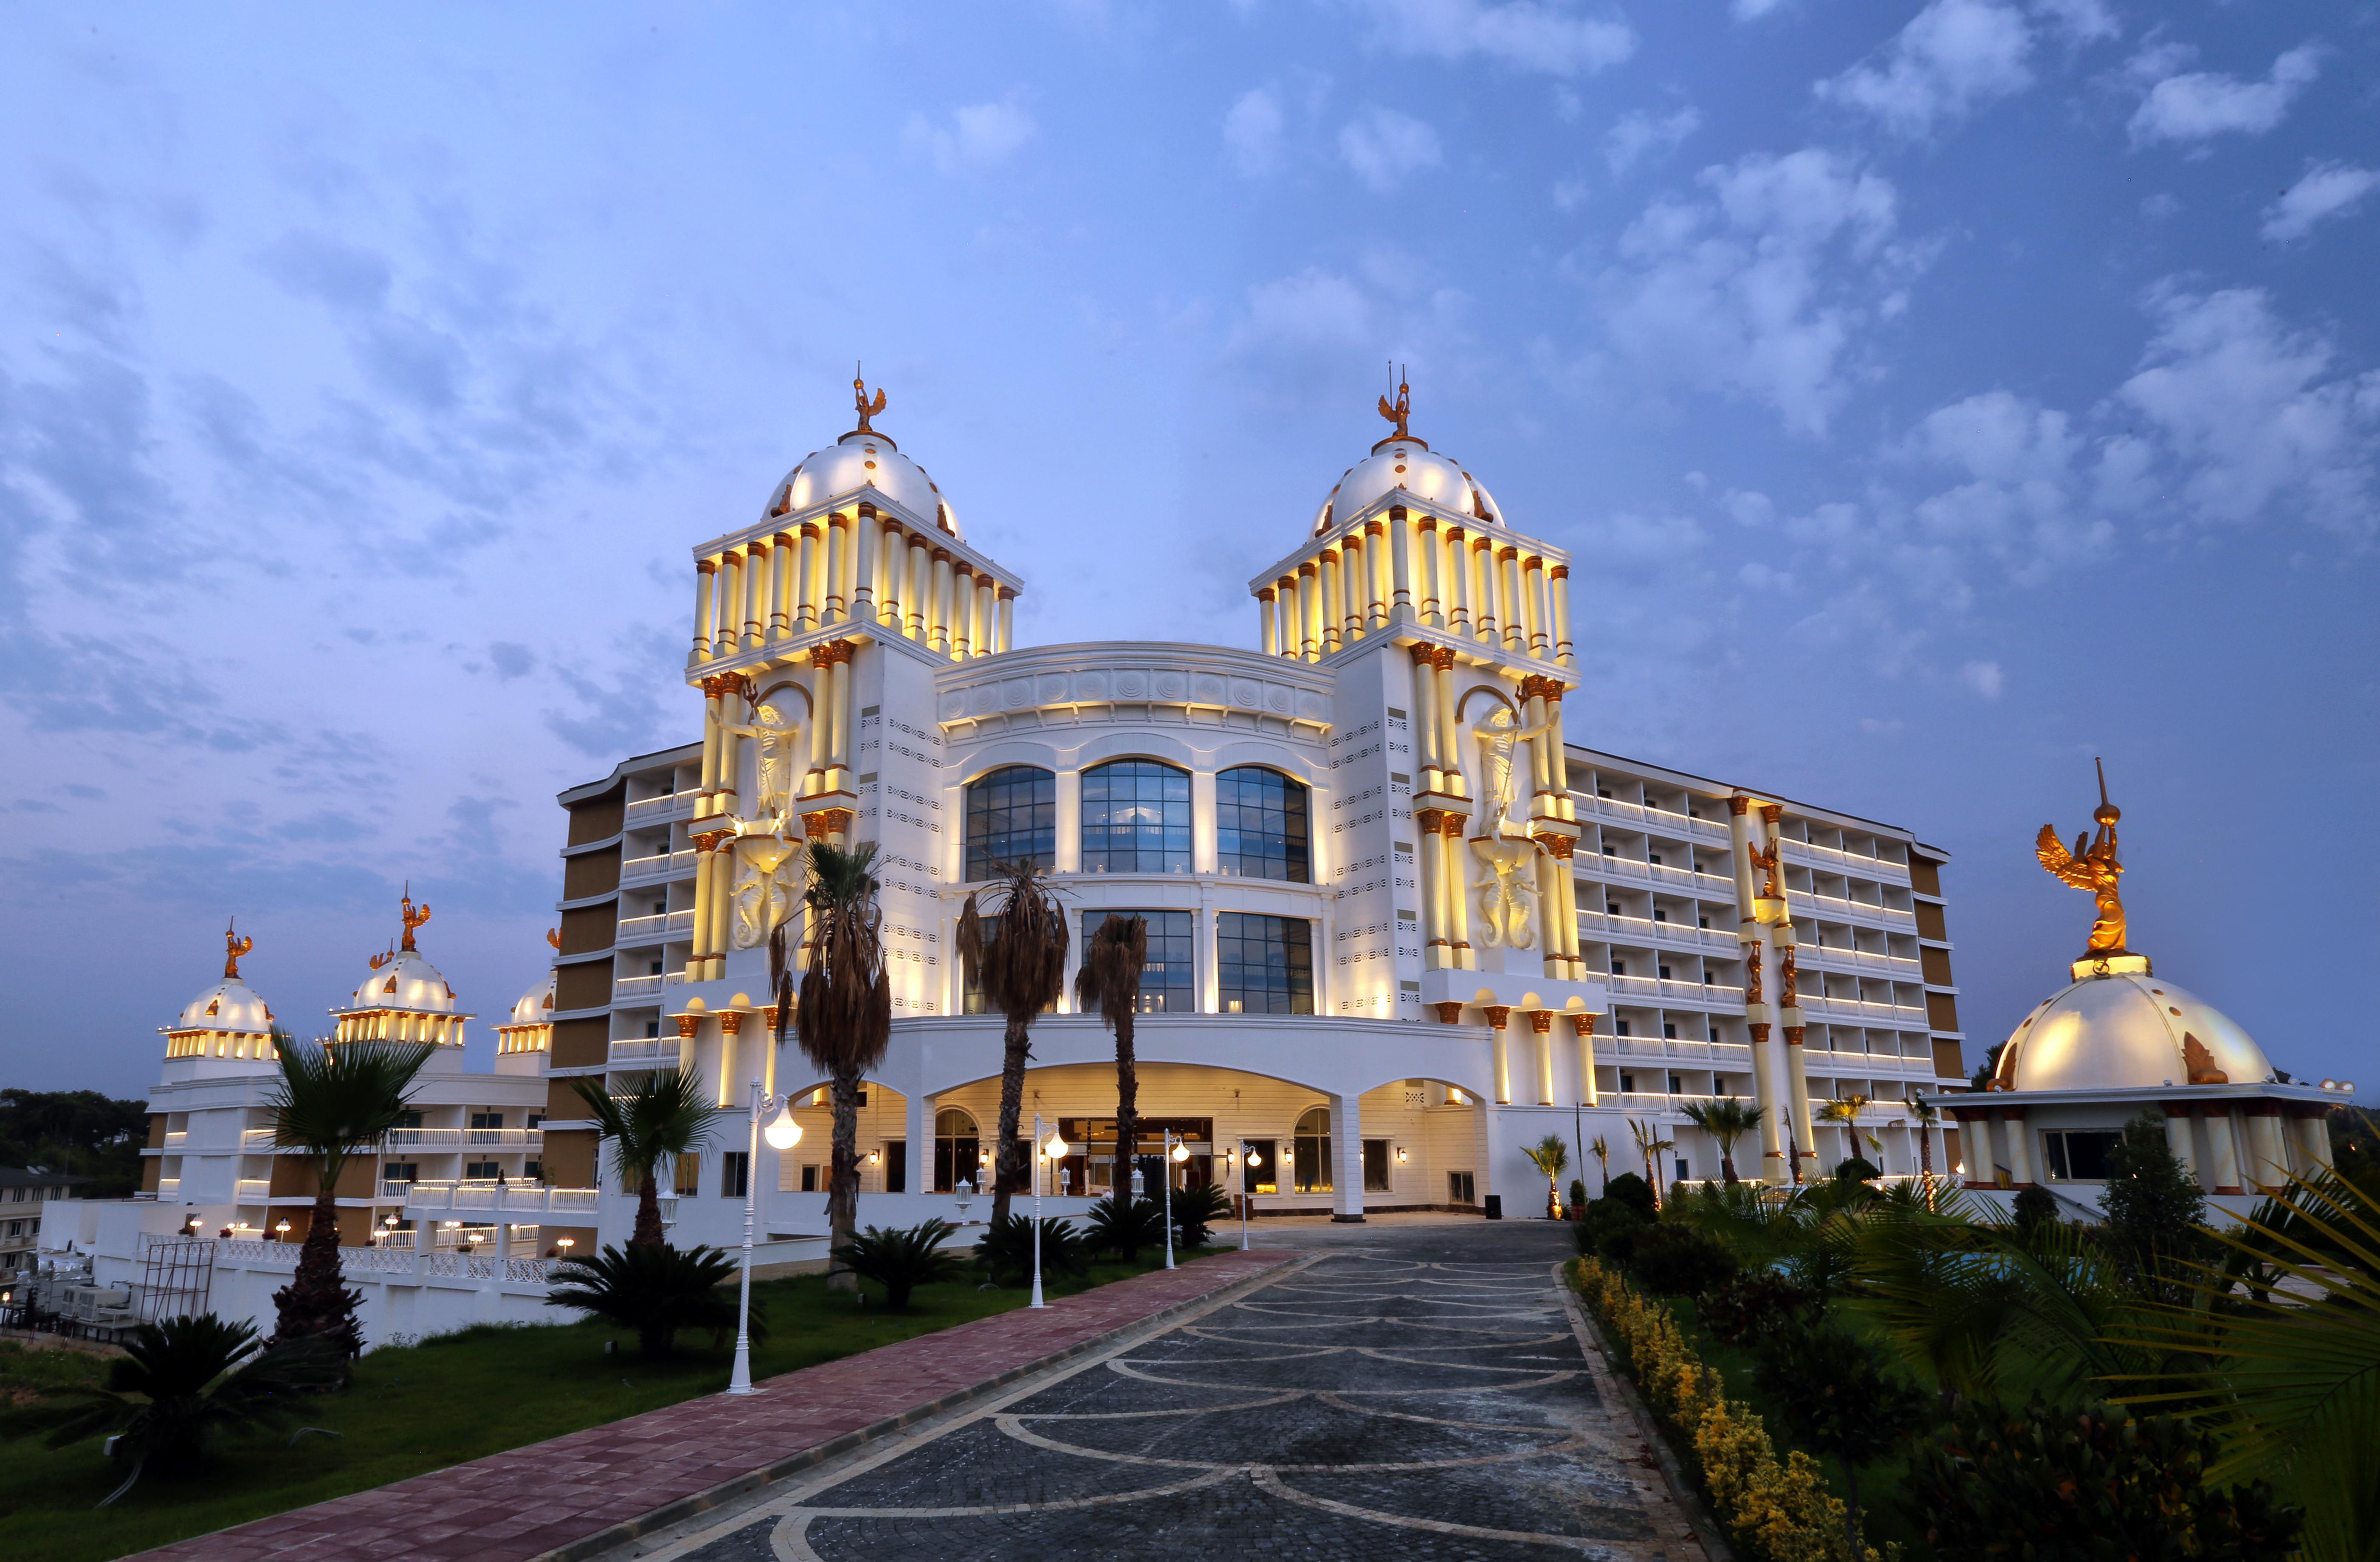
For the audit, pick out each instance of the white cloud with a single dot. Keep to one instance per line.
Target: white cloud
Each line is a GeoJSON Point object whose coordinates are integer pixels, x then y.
{"type": "Point", "coordinates": [1314, 307]}
{"type": "Point", "coordinates": [1954, 57]}
{"type": "Point", "coordinates": [1752, 10]}
{"type": "Point", "coordinates": [2084, 21]}
{"type": "Point", "coordinates": [1759, 286]}
{"type": "Point", "coordinates": [1382, 146]}
{"type": "Point", "coordinates": [1984, 677]}
{"type": "Point", "coordinates": [2333, 189]}
{"type": "Point", "coordinates": [1639, 133]}
{"type": "Point", "coordinates": [1569, 195]}
{"type": "Point", "coordinates": [979, 136]}
{"type": "Point", "coordinates": [2195, 105]}
{"type": "Point", "coordinates": [1540, 35]}
{"type": "Point", "coordinates": [2253, 413]}
{"type": "Point", "coordinates": [1252, 131]}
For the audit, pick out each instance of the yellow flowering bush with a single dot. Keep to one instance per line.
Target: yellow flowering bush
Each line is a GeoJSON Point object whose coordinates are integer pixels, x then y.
{"type": "Point", "coordinates": [1776, 1510]}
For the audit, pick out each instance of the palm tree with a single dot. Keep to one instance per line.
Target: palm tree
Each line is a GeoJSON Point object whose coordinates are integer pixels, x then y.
{"type": "Point", "coordinates": [1602, 1154]}
{"type": "Point", "coordinates": [1650, 1144]}
{"type": "Point", "coordinates": [1726, 1120]}
{"type": "Point", "coordinates": [663, 1116]}
{"type": "Point", "coordinates": [844, 1019]}
{"type": "Point", "coordinates": [1017, 956]}
{"type": "Point", "coordinates": [1845, 1110]}
{"type": "Point", "coordinates": [1927, 1115]}
{"type": "Point", "coordinates": [1550, 1155]}
{"type": "Point", "coordinates": [1110, 982]}
{"type": "Point", "coordinates": [331, 1102]}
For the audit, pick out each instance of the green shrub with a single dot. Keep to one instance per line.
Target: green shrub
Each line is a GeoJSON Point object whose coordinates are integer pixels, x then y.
{"type": "Point", "coordinates": [1577, 1197]}
{"type": "Point", "coordinates": [1839, 1401]}
{"type": "Point", "coordinates": [1608, 1228]}
{"type": "Point", "coordinates": [2001, 1485]}
{"type": "Point", "coordinates": [1676, 1260]}
{"type": "Point", "coordinates": [1630, 1188]}
{"type": "Point", "coordinates": [2036, 1205]}
{"type": "Point", "coordinates": [1196, 1211]}
{"type": "Point", "coordinates": [1007, 1250]}
{"type": "Point", "coordinates": [1857, 1169]}
{"type": "Point", "coordinates": [1124, 1226]}
{"type": "Point", "coordinates": [1755, 1304]}
{"type": "Point", "coordinates": [901, 1261]}
{"type": "Point", "coordinates": [655, 1289]}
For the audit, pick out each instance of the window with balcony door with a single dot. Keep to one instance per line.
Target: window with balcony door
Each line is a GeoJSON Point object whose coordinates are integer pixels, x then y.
{"type": "Point", "coordinates": [1012, 817]}
{"type": "Point", "coordinates": [1310, 1172]}
{"type": "Point", "coordinates": [958, 1151]}
{"type": "Point", "coordinates": [1261, 825]}
{"type": "Point", "coordinates": [1168, 983]}
{"type": "Point", "coordinates": [1135, 818]}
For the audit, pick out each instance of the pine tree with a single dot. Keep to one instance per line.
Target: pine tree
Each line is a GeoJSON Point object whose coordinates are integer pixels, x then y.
{"type": "Point", "coordinates": [2153, 1205]}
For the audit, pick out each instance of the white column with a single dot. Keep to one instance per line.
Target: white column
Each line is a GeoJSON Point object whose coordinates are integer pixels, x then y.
{"type": "Point", "coordinates": [1433, 569]}
{"type": "Point", "coordinates": [2177, 1138]}
{"type": "Point", "coordinates": [987, 613]}
{"type": "Point", "coordinates": [1533, 575]}
{"type": "Point", "coordinates": [784, 583]}
{"type": "Point", "coordinates": [1333, 586]}
{"type": "Point", "coordinates": [838, 551]}
{"type": "Point", "coordinates": [892, 569]}
{"type": "Point", "coordinates": [1400, 567]}
{"type": "Point", "coordinates": [756, 594]}
{"type": "Point", "coordinates": [2020, 1145]}
{"type": "Point", "coordinates": [1455, 552]}
{"type": "Point", "coordinates": [731, 603]}
{"type": "Point", "coordinates": [2222, 1150]}
{"type": "Point", "coordinates": [867, 541]}
{"type": "Point", "coordinates": [1309, 611]}
{"type": "Point", "coordinates": [937, 626]}
{"type": "Point", "coordinates": [919, 595]}
{"type": "Point", "coordinates": [1347, 1150]}
{"type": "Point", "coordinates": [706, 585]}
{"type": "Point", "coordinates": [1557, 601]}
{"type": "Point", "coordinates": [809, 577]}
{"type": "Point", "coordinates": [1269, 621]}
{"type": "Point", "coordinates": [1499, 1026]}
{"type": "Point", "coordinates": [1007, 632]}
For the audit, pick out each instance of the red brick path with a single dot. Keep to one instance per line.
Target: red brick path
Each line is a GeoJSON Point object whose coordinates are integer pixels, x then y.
{"type": "Point", "coordinates": [590, 1490]}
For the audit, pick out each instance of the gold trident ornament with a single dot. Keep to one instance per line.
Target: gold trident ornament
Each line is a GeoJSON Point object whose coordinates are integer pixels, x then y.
{"type": "Point", "coordinates": [414, 915]}
{"type": "Point", "coordinates": [2092, 865]}
{"type": "Point", "coordinates": [234, 947]}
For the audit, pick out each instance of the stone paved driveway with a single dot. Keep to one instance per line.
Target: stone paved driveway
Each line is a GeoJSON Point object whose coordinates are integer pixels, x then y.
{"type": "Point", "coordinates": [1416, 1391]}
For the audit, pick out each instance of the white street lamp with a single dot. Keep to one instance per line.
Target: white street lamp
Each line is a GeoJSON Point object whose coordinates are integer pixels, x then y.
{"type": "Point", "coordinates": [1051, 1151]}
{"type": "Point", "coordinates": [1249, 1161]}
{"type": "Point", "coordinates": [783, 1134]}
{"type": "Point", "coordinates": [1175, 1154]}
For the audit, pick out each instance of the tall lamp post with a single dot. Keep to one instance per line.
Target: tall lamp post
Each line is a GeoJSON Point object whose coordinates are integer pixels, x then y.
{"type": "Point", "coordinates": [783, 1133]}
{"type": "Point", "coordinates": [1053, 1151]}
{"type": "Point", "coordinates": [1175, 1154]}
{"type": "Point", "coordinates": [1249, 1161]}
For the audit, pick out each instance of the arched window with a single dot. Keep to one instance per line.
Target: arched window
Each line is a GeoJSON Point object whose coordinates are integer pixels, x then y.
{"type": "Point", "coordinates": [1135, 818]}
{"type": "Point", "coordinates": [1313, 1142]}
{"type": "Point", "coordinates": [1011, 816]}
{"type": "Point", "coordinates": [958, 1151]}
{"type": "Point", "coordinates": [1261, 825]}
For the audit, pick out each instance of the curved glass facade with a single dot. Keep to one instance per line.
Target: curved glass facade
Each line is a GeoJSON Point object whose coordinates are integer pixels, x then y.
{"type": "Point", "coordinates": [1135, 818]}
{"type": "Point", "coordinates": [1011, 816]}
{"type": "Point", "coordinates": [1261, 825]}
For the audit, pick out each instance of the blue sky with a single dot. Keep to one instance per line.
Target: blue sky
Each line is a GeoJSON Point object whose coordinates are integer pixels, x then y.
{"type": "Point", "coordinates": [1934, 397]}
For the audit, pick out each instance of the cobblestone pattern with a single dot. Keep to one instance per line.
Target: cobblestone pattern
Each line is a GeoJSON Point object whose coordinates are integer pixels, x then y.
{"type": "Point", "coordinates": [552, 1495]}
{"type": "Point", "coordinates": [1369, 1406]}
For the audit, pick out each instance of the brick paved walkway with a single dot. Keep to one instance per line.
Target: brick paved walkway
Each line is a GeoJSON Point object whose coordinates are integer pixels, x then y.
{"type": "Point", "coordinates": [1424, 1395]}
{"type": "Point", "coordinates": [569, 1492]}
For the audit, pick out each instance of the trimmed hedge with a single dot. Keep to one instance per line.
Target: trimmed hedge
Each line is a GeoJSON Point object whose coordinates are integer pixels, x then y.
{"type": "Point", "coordinates": [1776, 1511]}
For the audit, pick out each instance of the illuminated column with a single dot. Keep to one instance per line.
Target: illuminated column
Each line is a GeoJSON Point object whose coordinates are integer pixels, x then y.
{"type": "Point", "coordinates": [2020, 1147]}
{"type": "Point", "coordinates": [1425, 714]}
{"type": "Point", "coordinates": [1458, 897]}
{"type": "Point", "coordinates": [2314, 1141]}
{"type": "Point", "coordinates": [962, 610]}
{"type": "Point", "coordinates": [1588, 1095]}
{"type": "Point", "coordinates": [892, 569]}
{"type": "Point", "coordinates": [722, 896]}
{"type": "Point", "coordinates": [732, 712]}
{"type": "Point", "coordinates": [706, 585]}
{"type": "Point", "coordinates": [731, 603]}
{"type": "Point", "coordinates": [1400, 566]}
{"type": "Point", "coordinates": [1333, 582]}
{"type": "Point", "coordinates": [698, 954]}
{"type": "Point", "coordinates": [1516, 629]}
{"type": "Point", "coordinates": [822, 698]}
{"type": "Point", "coordinates": [920, 594]}
{"type": "Point", "coordinates": [1309, 611]}
{"type": "Point", "coordinates": [731, 1048]}
{"type": "Point", "coordinates": [1450, 734]}
{"type": "Point", "coordinates": [1479, 576]}
{"type": "Point", "coordinates": [987, 602]}
{"type": "Point", "coordinates": [1433, 557]}
{"type": "Point", "coordinates": [756, 594]}
{"type": "Point", "coordinates": [1007, 640]}
{"type": "Point", "coordinates": [1553, 874]}
{"type": "Point", "coordinates": [1380, 557]}
{"type": "Point", "coordinates": [1499, 1015]}
{"type": "Point", "coordinates": [2222, 1148]}
{"type": "Point", "coordinates": [1533, 576]}
{"type": "Point", "coordinates": [2178, 1137]}
{"type": "Point", "coordinates": [809, 576]}
{"type": "Point", "coordinates": [1541, 1024]}
{"type": "Point", "coordinates": [710, 786]}
{"type": "Point", "coordinates": [1533, 707]}
{"type": "Point", "coordinates": [784, 583]}
{"type": "Point", "coordinates": [2268, 1154]}
{"type": "Point", "coordinates": [1455, 551]}
{"type": "Point", "coordinates": [1773, 1169]}
{"type": "Point", "coordinates": [1350, 588]}
{"type": "Point", "coordinates": [1288, 618]}
{"type": "Point", "coordinates": [839, 712]}
{"type": "Point", "coordinates": [866, 547]}
{"type": "Point", "coordinates": [1434, 949]}
{"type": "Point", "coordinates": [1558, 599]}
{"type": "Point", "coordinates": [837, 547]}
{"type": "Point", "coordinates": [938, 623]}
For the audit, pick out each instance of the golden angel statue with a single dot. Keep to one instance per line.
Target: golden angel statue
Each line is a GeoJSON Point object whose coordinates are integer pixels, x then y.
{"type": "Point", "coordinates": [1765, 865]}
{"type": "Point", "coordinates": [2092, 865]}
{"type": "Point", "coordinates": [234, 947]}
{"type": "Point", "coordinates": [859, 398]}
{"type": "Point", "coordinates": [1399, 411]}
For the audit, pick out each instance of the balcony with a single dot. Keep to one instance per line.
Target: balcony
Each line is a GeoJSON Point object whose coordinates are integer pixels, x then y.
{"type": "Point", "coordinates": [653, 930]}
{"type": "Point", "coordinates": [1643, 930]}
{"type": "Point", "coordinates": [457, 1138]}
{"type": "Point", "coordinates": [257, 1139]}
{"type": "Point", "coordinates": [442, 1197]}
{"type": "Point", "coordinates": [669, 806]}
{"type": "Point", "coordinates": [1836, 860]}
{"type": "Point", "coordinates": [1852, 911]}
{"type": "Point", "coordinates": [652, 1053]}
{"type": "Point", "coordinates": [253, 1190]}
{"type": "Point", "coordinates": [637, 986]}
{"type": "Point", "coordinates": [1860, 1011]}
{"type": "Point", "coordinates": [1656, 991]}
{"type": "Point", "coordinates": [1899, 968]}
{"type": "Point", "coordinates": [169, 1187]}
{"type": "Point", "coordinates": [177, 1138]}
{"type": "Point", "coordinates": [660, 865]}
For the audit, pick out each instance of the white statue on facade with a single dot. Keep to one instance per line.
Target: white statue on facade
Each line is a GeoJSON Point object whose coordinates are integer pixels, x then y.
{"type": "Point", "coordinates": [774, 739]}
{"type": "Point", "coordinates": [1508, 890]}
{"type": "Point", "coordinates": [767, 884]}
{"type": "Point", "coordinates": [1497, 733]}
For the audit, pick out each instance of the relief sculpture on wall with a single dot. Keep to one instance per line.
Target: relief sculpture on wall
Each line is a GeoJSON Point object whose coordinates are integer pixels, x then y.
{"type": "Point", "coordinates": [767, 885]}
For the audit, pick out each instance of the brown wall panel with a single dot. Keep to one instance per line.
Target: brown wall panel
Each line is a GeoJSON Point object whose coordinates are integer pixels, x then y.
{"type": "Point", "coordinates": [570, 1156]}
{"type": "Point", "coordinates": [594, 873]}
{"type": "Point", "coordinates": [1925, 876]}
{"type": "Point", "coordinates": [1935, 963]}
{"type": "Point", "coordinates": [152, 1168]}
{"type": "Point", "coordinates": [1950, 1059]}
{"type": "Point", "coordinates": [1941, 1011]}
{"type": "Point", "coordinates": [587, 985]}
{"type": "Point", "coordinates": [582, 1044]}
{"type": "Point", "coordinates": [600, 817]}
{"type": "Point", "coordinates": [1929, 923]}
{"type": "Point", "coordinates": [157, 1130]}
{"type": "Point", "coordinates": [590, 928]}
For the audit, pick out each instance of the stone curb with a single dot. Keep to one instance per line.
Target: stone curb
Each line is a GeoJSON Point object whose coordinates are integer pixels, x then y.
{"type": "Point", "coordinates": [1683, 1490]}
{"type": "Point", "coordinates": [615, 1535]}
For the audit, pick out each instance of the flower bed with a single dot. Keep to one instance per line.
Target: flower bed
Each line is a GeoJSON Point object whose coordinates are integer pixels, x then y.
{"type": "Point", "coordinates": [1775, 1510]}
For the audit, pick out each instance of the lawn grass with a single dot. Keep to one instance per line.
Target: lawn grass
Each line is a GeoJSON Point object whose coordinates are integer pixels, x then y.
{"type": "Point", "coordinates": [450, 1398]}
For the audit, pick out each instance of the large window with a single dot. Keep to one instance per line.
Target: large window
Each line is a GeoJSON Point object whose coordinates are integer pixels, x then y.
{"type": "Point", "coordinates": [957, 1151]}
{"type": "Point", "coordinates": [1135, 818]}
{"type": "Point", "coordinates": [1264, 964]}
{"type": "Point", "coordinates": [1312, 1172]}
{"type": "Point", "coordinates": [2078, 1154]}
{"type": "Point", "coordinates": [1012, 817]}
{"type": "Point", "coordinates": [1260, 831]}
{"type": "Point", "coordinates": [1167, 984]}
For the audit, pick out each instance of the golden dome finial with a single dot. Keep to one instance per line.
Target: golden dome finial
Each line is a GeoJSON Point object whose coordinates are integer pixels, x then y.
{"type": "Point", "coordinates": [867, 409]}
{"type": "Point", "coordinates": [413, 915]}
{"type": "Point", "coordinates": [1400, 411]}
{"type": "Point", "coordinates": [234, 947]}
{"type": "Point", "coordinates": [2092, 864]}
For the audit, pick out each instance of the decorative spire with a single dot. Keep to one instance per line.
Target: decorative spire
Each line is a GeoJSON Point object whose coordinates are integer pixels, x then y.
{"type": "Point", "coordinates": [867, 409]}
{"type": "Point", "coordinates": [2092, 864]}
{"type": "Point", "coordinates": [414, 915]}
{"type": "Point", "coordinates": [1401, 412]}
{"type": "Point", "coordinates": [234, 947]}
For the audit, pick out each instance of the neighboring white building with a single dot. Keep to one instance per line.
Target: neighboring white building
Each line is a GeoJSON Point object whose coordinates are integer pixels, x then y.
{"type": "Point", "coordinates": [23, 1192]}
{"type": "Point", "coordinates": [1401, 925]}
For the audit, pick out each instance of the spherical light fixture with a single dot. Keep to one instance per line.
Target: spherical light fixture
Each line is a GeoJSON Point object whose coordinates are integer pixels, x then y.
{"type": "Point", "coordinates": [782, 1132]}
{"type": "Point", "coordinates": [1056, 1148]}
{"type": "Point", "coordinates": [1181, 1154]}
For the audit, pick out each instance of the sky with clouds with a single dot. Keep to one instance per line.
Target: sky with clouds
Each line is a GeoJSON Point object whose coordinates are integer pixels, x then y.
{"type": "Point", "coordinates": [1934, 396]}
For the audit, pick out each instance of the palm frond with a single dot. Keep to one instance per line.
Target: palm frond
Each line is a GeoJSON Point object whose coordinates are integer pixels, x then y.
{"type": "Point", "coordinates": [844, 1018]}
{"type": "Point", "coordinates": [663, 1115]}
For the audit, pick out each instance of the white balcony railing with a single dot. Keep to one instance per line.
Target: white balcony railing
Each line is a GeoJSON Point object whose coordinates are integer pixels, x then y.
{"type": "Point", "coordinates": [457, 1138]}
{"type": "Point", "coordinates": [637, 986]}
{"type": "Point", "coordinates": [646, 1054]}
{"type": "Point", "coordinates": [256, 1138]}
{"type": "Point", "coordinates": [666, 925]}
{"type": "Point", "coordinates": [254, 1189]}
{"type": "Point", "coordinates": [522, 1198]}
{"type": "Point", "coordinates": [177, 1138]}
{"type": "Point", "coordinates": [660, 866]}
{"type": "Point", "coordinates": [657, 810]}
{"type": "Point", "coordinates": [1850, 863]}
{"type": "Point", "coordinates": [169, 1187]}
